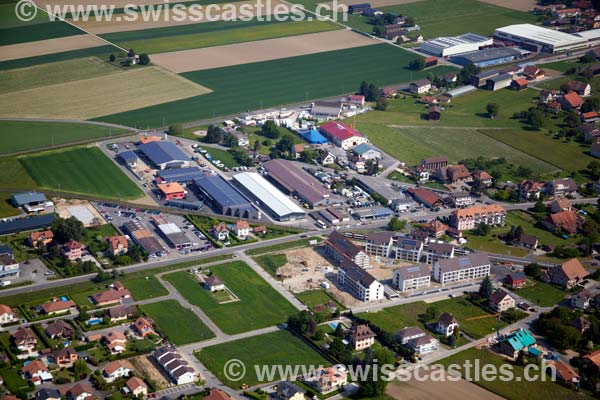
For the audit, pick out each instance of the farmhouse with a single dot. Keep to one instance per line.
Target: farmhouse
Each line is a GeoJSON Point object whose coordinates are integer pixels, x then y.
{"type": "Point", "coordinates": [412, 277]}
{"type": "Point", "coordinates": [224, 198]}
{"type": "Point", "coordinates": [360, 283]}
{"type": "Point", "coordinates": [268, 196]}
{"type": "Point", "coordinates": [421, 86]}
{"type": "Point", "coordinates": [579, 87]}
{"type": "Point", "coordinates": [449, 46]}
{"type": "Point", "coordinates": [338, 247]}
{"type": "Point", "coordinates": [571, 101]}
{"type": "Point", "coordinates": [469, 218]}
{"type": "Point", "coordinates": [471, 266]}
{"type": "Point", "coordinates": [165, 155]}
{"type": "Point", "coordinates": [561, 187]}
{"type": "Point", "coordinates": [297, 182]}
{"type": "Point", "coordinates": [501, 301]}
{"type": "Point", "coordinates": [566, 221]}
{"type": "Point", "coordinates": [567, 275]}
{"type": "Point", "coordinates": [536, 38]}
{"type": "Point", "coordinates": [453, 174]}
{"type": "Point", "coordinates": [589, 117]}
{"type": "Point", "coordinates": [342, 135]}
{"type": "Point", "coordinates": [519, 84]}
{"type": "Point", "coordinates": [362, 337]}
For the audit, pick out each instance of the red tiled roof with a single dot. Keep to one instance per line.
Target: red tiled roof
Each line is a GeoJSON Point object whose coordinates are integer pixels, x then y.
{"type": "Point", "coordinates": [573, 99]}
{"type": "Point", "coordinates": [339, 131]}
{"type": "Point", "coordinates": [565, 220]}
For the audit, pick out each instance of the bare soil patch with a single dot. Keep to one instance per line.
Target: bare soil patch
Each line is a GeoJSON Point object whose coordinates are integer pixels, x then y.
{"type": "Point", "coordinates": [262, 50]}
{"type": "Point", "coordinates": [145, 368]}
{"type": "Point", "coordinates": [519, 5]}
{"type": "Point", "coordinates": [224, 12]}
{"type": "Point", "coordinates": [50, 46]}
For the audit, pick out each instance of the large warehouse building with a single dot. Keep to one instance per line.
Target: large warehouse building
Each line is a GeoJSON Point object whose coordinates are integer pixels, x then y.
{"type": "Point", "coordinates": [449, 46]}
{"type": "Point", "coordinates": [537, 38]}
{"type": "Point", "coordinates": [165, 155]}
{"type": "Point", "coordinates": [268, 197]}
{"type": "Point", "coordinates": [490, 56]}
{"type": "Point", "coordinates": [297, 182]}
{"type": "Point", "coordinates": [224, 198]}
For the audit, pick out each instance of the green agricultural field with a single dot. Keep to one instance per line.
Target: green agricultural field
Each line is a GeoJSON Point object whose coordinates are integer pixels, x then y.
{"type": "Point", "coordinates": [60, 72]}
{"type": "Point", "coordinates": [277, 348]}
{"type": "Point", "coordinates": [209, 34]}
{"type": "Point", "coordinates": [272, 262]}
{"type": "Point", "coordinates": [18, 136]}
{"type": "Point", "coordinates": [517, 389]}
{"type": "Point", "coordinates": [180, 325]}
{"type": "Point", "coordinates": [13, 175]}
{"type": "Point", "coordinates": [259, 304]}
{"type": "Point", "coordinates": [101, 52]}
{"type": "Point", "coordinates": [266, 84]}
{"type": "Point", "coordinates": [542, 294]}
{"type": "Point", "coordinates": [447, 18]}
{"type": "Point", "coordinates": [6, 207]}
{"type": "Point", "coordinates": [568, 156]}
{"type": "Point", "coordinates": [393, 319]}
{"type": "Point", "coordinates": [84, 170]}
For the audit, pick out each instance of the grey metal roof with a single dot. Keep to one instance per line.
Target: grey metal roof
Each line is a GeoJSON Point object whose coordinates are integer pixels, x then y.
{"type": "Point", "coordinates": [26, 224]}
{"type": "Point", "coordinates": [488, 54]}
{"type": "Point", "coordinates": [20, 199]}
{"type": "Point", "coordinates": [296, 181]}
{"type": "Point", "coordinates": [179, 174]}
{"type": "Point", "coordinates": [469, 261]}
{"type": "Point", "coordinates": [127, 156]}
{"type": "Point", "coordinates": [161, 152]}
{"type": "Point", "coordinates": [220, 191]}
{"type": "Point", "coordinates": [268, 194]}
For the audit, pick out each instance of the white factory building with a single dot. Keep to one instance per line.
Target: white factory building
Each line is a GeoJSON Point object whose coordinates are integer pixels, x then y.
{"type": "Point", "coordinates": [268, 197]}
{"type": "Point", "coordinates": [537, 38]}
{"type": "Point", "coordinates": [449, 46]}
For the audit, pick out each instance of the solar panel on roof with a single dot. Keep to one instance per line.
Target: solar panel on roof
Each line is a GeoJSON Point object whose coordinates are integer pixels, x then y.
{"type": "Point", "coordinates": [463, 262]}
{"type": "Point", "coordinates": [413, 269]}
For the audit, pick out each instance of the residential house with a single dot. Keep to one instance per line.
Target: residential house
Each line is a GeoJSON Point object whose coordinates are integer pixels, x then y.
{"type": "Point", "coordinates": [356, 99]}
{"type": "Point", "coordinates": [571, 101]}
{"type": "Point", "coordinates": [72, 250]}
{"type": "Point", "coordinates": [7, 315]}
{"type": "Point", "coordinates": [582, 299]}
{"type": "Point", "coordinates": [214, 284]}
{"type": "Point", "coordinates": [519, 84]}
{"type": "Point", "coordinates": [568, 274]}
{"type": "Point", "coordinates": [421, 86]}
{"type": "Point", "coordinates": [559, 205]}
{"type": "Point", "coordinates": [428, 100]}
{"type": "Point", "coordinates": [460, 199]}
{"type": "Point", "coordinates": [593, 357]}
{"type": "Point", "coordinates": [530, 190]}
{"type": "Point", "coordinates": [9, 267]}
{"type": "Point", "coordinates": [116, 369]}
{"type": "Point", "coordinates": [137, 387]}
{"type": "Point", "coordinates": [451, 77]}
{"type": "Point", "coordinates": [119, 313]}
{"type": "Point", "coordinates": [379, 244]}
{"type": "Point", "coordinates": [327, 379]}
{"type": "Point", "coordinates": [565, 221]}
{"type": "Point", "coordinates": [24, 339]}
{"type": "Point", "coordinates": [359, 282]}
{"type": "Point", "coordinates": [388, 92]}
{"type": "Point", "coordinates": [547, 96]}
{"type": "Point", "coordinates": [446, 324]}
{"type": "Point", "coordinates": [472, 266]}
{"type": "Point", "coordinates": [59, 329]}
{"type": "Point", "coordinates": [581, 88]}
{"type": "Point", "coordinates": [590, 132]}
{"type": "Point", "coordinates": [435, 228]}
{"type": "Point", "coordinates": [116, 293]}
{"type": "Point", "coordinates": [288, 391]}
{"type": "Point", "coordinates": [422, 345]}
{"type": "Point", "coordinates": [40, 239]}
{"type": "Point", "coordinates": [515, 342]}
{"type": "Point", "coordinates": [115, 341]}
{"type": "Point", "coordinates": [554, 107]}
{"type": "Point", "coordinates": [338, 247]}
{"type": "Point", "coordinates": [438, 251]}
{"type": "Point", "coordinates": [326, 158]}
{"type": "Point", "coordinates": [36, 372]}
{"type": "Point", "coordinates": [533, 73]}
{"type": "Point", "coordinates": [426, 197]}
{"type": "Point", "coordinates": [174, 365]}
{"type": "Point", "coordinates": [220, 232]}
{"type": "Point", "coordinates": [80, 391]}
{"type": "Point", "coordinates": [561, 187]}
{"type": "Point", "coordinates": [362, 337]}
{"type": "Point", "coordinates": [515, 280]}
{"type": "Point", "coordinates": [469, 218]}
{"type": "Point", "coordinates": [501, 301]}
{"type": "Point", "coordinates": [412, 277]}
{"type": "Point", "coordinates": [564, 372]}
{"type": "Point", "coordinates": [65, 358]}
{"type": "Point", "coordinates": [241, 229]}
{"type": "Point", "coordinates": [297, 150]}
{"type": "Point", "coordinates": [528, 241]}
{"type": "Point", "coordinates": [590, 117]}
{"type": "Point", "coordinates": [44, 394]}
{"type": "Point", "coordinates": [453, 174]}
{"type": "Point", "coordinates": [580, 323]}
{"type": "Point", "coordinates": [409, 250]}
{"type": "Point", "coordinates": [118, 245]}
{"type": "Point", "coordinates": [143, 327]}
{"type": "Point", "coordinates": [217, 394]}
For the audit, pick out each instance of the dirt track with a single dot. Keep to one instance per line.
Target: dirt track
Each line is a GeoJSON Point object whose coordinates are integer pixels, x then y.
{"type": "Point", "coordinates": [262, 50]}
{"type": "Point", "coordinates": [50, 46]}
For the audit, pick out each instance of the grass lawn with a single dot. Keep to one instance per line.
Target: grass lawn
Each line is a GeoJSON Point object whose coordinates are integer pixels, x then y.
{"type": "Point", "coordinates": [282, 246]}
{"type": "Point", "coordinates": [278, 348]}
{"type": "Point", "coordinates": [259, 306]}
{"type": "Point", "coordinates": [516, 389]}
{"type": "Point", "coordinates": [314, 298]}
{"type": "Point", "coordinates": [181, 325]}
{"type": "Point", "coordinates": [209, 34]}
{"type": "Point", "coordinates": [225, 156]}
{"type": "Point", "coordinates": [542, 294]}
{"type": "Point", "coordinates": [266, 84]}
{"type": "Point", "coordinates": [393, 319]}
{"type": "Point", "coordinates": [272, 262]}
{"type": "Point", "coordinates": [84, 170]}
{"type": "Point", "coordinates": [494, 245]}
{"type": "Point", "coordinates": [144, 287]}
{"type": "Point", "coordinates": [564, 65]}
{"type": "Point", "coordinates": [545, 237]}
{"type": "Point", "coordinates": [13, 381]}
{"type": "Point", "coordinates": [6, 207]}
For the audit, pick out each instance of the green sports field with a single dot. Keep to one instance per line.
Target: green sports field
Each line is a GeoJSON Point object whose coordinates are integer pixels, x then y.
{"type": "Point", "coordinates": [271, 83]}
{"type": "Point", "coordinates": [277, 348]}
{"type": "Point", "coordinates": [208, 34]}
{"type": "Point", "coordinates": [259, 305]}
{"type": "Point", "coordinates": [18, 136]}
{"type": "Point", "coordinates": [180, 325]}
{"type": "Point", "coordinates": [83, 170]}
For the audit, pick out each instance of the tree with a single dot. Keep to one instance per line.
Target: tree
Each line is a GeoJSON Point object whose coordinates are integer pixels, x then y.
{"type": "Point", "coordinates": [535, 118]}
{"type": "Point", "coordinates": [486, 288]}
{"type": "Point", "coordinates": [482, 230]}
{"type": "Point", "coordinates": [594, 169]}
{"type": "Point", "coordinates": [308, 155]}
{"type": "Point", "coordinates": [539, 206]}
{"type": "Point", "coordinates": [131, 53]}
{"type": "Point", "coordinates": [466, 74]}
{"type": "Point", "coordinates": [80, 369]}
{"type": "Point", "coordinates": [396, 224]}
{"type": "Point", "coordinates": [175, 129]}
{"type": "Point", "coordinates": [68, 229]}
{"type": "Point", "coordinates": [590, 104]}
{"type": "Point", "coordinates": [417, 64]}
{"type": "Point", "coordinates": [112, 58]}
{"type": "Point", "coordinates": [492, 109]}
{"type": "Point", "coordinates": [144, 59]}
{"type": "Point", "coordinates": [375, 383]}
{"type": "Point", "coordinates": [372, 93]}
{"type": "Point", "coordinates": [587, 59]}
{"type": "Point", "coordinates": [214, 134]}
{"type": "Point", "coordinates": [533, 270]}
{"type": "Point", "coordinates": [257, 145]}
{"type": "Point", "coordinates": [431, 313]}
{"type": "Point", "coordinates": [270, 130]}
{"type": "Point", "coordinates": [364, 88]}
{"type": "Point", "coordinates": [382, 104]}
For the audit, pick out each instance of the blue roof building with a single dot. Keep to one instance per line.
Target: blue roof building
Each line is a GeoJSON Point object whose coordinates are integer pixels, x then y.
{"type": "Point", "coordinates": [28, 198]}
{"type": "Point", "coordinates": [179, 175]}
{"type": "Point", "coordinates": [516, 341]}
{"type": "Point", "coordinates": [313, 137]}
{"type": "Point", "coordinates": [224, 198]}
{"type": "Point", "coordinates": [128, 157]}
{"type": "Point", "coordinates": [165, 154]}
